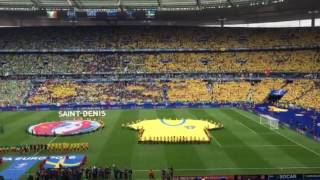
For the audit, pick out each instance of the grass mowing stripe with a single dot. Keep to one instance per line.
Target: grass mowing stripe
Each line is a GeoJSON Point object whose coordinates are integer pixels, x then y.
{"type": "Point", "coordinates": [6, 116]}
{"type": "Point", "coordinates": [293, 154]}
{"type": "Point", "coordinates": [262, 146]}
{"type": "Point", "coordinates": [98, 140]}
{"type": "Point", "coordinates": [117, 148]}
{"type": "Point", "coordinates": [196, 116]}
{"type": "Point", "coordinates": [253, 131]}
{"type": "Point", "coordinates": [270, 138]}
{"type": "Point", "coordinates": [276, 157]}
{"type": "Point", "coordinates": [245, 171]}
{"type": "Point", "coordinates": [148, 156]}
{"type": "Point", "coordinates": [178, 155]}
{"type": "Point", "coordinates": [289, 139]}
{"type": "Point", "coordinates": [240, 135]}
{"type": "Point", "coordinates": [216, 141]}
{"type": "Point", "coordinates": [227, 155]}
{"type": "Point", "coordinates": [214, 156]}
{"type": "Point", "coordinates": [309, 142]}
{"type": "Point", "coordinates": [155, 151]}
{"type": "Point", "coordinates": [295, 142]}
{"type": "Point", "coordinates": [16, 131]}
{"type": "Point", "coordinates": [296, 153]}
{"type": "Point", "coordinates": [9, 118]}
{"type": "Point", "coordinates": [252, 158]}
{"type": "Point", "coordinates": [113, 143]}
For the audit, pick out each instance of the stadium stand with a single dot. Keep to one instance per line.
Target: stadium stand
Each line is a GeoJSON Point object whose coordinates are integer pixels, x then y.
{"type": "Point", "coordinates": [62, 92]}
{"type": "Point", "coordinates": [153, 37]}
{"type": "Point", "coordinates": [231, 91]}
{"type": "Point", "coordinates": [296, 89]}
{"type": "Point", "coordinates": [235, 62]}
{"type": "Point", "coordinates": [311, 99]}
{"type": "Point", "coordinates": [188, 91]}
{"type": "Point", "coordinates": [260, 91]}
{"type": "Point", "coordinates": [302, 93]}
{"type": "Point", "coordinates": [135, 70]}
{"type": "Point", "coordinates": [14, 92]}
{"type": "Point", "coordinates": [256, 62]}
{"type": "Point", "coordinates": [16, 65]}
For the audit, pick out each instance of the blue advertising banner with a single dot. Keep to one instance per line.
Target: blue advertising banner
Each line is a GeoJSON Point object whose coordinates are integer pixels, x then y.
{"type": "Point", "coordinates": [22, 164]}
{"type": "Point", "coordinates": [17, 169]}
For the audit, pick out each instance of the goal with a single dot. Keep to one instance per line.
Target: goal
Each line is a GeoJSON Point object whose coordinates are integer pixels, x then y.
{"type": "Point", "coordinates": [269, 121]}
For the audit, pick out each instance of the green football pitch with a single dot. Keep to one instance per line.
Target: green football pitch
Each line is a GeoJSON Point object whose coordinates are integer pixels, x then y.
{"type": "Point", "coordinates": [243, 146]}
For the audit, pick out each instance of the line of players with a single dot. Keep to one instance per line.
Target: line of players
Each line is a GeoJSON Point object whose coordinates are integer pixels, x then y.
{"type": "Point", "coordinates": [174, 139]}
{"type": "Point", "coordinates": [52, 147]}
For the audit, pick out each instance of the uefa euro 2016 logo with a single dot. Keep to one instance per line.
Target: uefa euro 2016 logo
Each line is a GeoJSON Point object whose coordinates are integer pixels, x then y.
{"type": "Point", "coordinates": [64, 128]}
{"type": "Point", "coordinates": [67, 126]}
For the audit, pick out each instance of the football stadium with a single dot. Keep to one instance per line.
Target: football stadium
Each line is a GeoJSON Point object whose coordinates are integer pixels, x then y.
{"type": "Point", "coordinates": [159, 89]}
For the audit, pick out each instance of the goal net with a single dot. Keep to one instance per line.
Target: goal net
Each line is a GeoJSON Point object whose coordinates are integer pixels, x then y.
{"type": "Point", "coordinates": [269, 121]}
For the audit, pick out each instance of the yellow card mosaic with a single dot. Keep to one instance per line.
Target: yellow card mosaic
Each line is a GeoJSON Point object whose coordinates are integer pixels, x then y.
{"type": "Point", "coordinates": [174, 130]}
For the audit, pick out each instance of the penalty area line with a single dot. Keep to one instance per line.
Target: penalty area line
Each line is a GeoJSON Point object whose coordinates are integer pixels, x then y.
{"type": "Point", "coordinates": [286, 137]}
{"type": "Point", "coordinates": [48, 143]}
{"type": "Point", "coordinates": [247, 127]}
{"type": "Point", "coordinates": [217, 142]}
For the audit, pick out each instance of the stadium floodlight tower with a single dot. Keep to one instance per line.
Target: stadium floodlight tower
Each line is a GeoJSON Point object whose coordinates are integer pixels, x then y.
{"type": "Point", "coordinates": [269, 121]}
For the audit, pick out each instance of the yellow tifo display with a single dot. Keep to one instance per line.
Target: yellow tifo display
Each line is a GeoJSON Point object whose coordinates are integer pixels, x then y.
{"type": "Point", "coordinates": [174, 131]}
{"type": "Point", "coordinates": [276, 109]}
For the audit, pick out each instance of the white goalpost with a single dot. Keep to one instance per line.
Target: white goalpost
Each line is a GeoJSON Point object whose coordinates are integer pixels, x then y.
{"type": "Point", "coordinates": [269, 121]}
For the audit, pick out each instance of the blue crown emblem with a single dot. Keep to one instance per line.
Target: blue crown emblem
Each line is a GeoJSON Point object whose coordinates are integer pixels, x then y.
{"type": "Point", "coordinates": [190, 127]}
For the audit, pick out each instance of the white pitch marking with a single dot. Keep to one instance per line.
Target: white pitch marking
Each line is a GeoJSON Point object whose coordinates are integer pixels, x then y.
{"type": "Point", "coordinates": [263, 145]}
{"type": "Point", "coordinates": [217, 142]}
{"type": "Point", "coordinates": [48, 143]}
{"type": "Point", "coordinates": [219, 169]}
{"type": "Point", "coordinates": [247, 127]}
{"type": "Point", "coordinates": [301, 145]}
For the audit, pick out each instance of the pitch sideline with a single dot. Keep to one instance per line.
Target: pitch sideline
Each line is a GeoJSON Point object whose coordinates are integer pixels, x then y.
{"type": "Point", "coordinates": [218, 169]}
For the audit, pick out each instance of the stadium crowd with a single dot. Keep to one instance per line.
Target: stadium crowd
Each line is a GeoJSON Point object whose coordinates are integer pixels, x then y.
{"type": "Point", "coordinates": [231, 91]}
{"type": "Point", "coordinates": [63, 92]}
{"type": "Point", "coordinates": [300, 92]}
{"type": "Point", "coordinates": [261, 90]}
{"type": "Point", "coordinates": [256, 62]}
{"type": "Point", "coordinates": [153, 37]}
{"type": "Point", "coordinates": [304, 93]}
{"type": "Point", "coordinates": [296, 89]}
{"type": "Point", "coordinates": [188, 91]}
{"type": "Point", "coordinates": [14, 92]}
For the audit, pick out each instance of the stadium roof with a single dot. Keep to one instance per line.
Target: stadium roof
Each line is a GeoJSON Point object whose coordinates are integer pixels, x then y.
{"type": "Point", "coordinates": [154, 12]}
{"type": "Point", "coordinates": [99, 4]}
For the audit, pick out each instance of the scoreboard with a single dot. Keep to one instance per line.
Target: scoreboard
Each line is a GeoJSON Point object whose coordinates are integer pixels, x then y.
{"type": "Point", "coordinates": [112, 14]}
